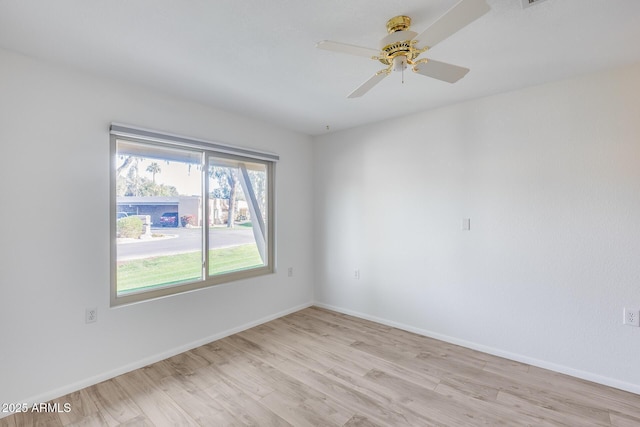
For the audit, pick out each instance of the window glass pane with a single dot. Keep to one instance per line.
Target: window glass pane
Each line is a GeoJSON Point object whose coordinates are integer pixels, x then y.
{"type": "Point", "coordinates": [159, 240]}
{"type": "Point", "coordinates": [237, 215]}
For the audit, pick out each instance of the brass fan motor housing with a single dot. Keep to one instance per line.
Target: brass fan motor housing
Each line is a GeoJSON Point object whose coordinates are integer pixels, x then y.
{"type": "Point", "coordinates": [405, 48]}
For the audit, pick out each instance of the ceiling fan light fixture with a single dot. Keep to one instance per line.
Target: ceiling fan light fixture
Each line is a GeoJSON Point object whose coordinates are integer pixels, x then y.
{"type": "Point", "coordinates": [400, 63]}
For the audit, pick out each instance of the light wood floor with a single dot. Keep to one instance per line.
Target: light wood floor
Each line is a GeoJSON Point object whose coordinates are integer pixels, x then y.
{"type": "Point", "coordinates": [321, 368]}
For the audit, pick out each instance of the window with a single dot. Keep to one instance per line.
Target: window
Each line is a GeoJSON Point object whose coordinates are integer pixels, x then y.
{"type": "Point", "coordinates": [186, 214]}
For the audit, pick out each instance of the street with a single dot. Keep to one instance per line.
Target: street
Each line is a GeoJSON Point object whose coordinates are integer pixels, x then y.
{"type": "Point", "coordinates": [179, 240]}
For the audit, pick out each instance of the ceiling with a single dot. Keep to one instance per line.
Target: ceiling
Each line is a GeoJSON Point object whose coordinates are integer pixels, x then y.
{"type": "Point", "coordinates": [258, 57]}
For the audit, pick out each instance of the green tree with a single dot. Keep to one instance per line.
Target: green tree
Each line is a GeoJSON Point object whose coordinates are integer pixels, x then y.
{"type": "Point", "coordinates": [153, 169]}
{"type": "Point", "coordinates": [133, 180]}
{"type": "Point", "coordinates": [228, 188]}
{"type": "Point", "coordinates": [148, 188]}
{"type": "Point", "coordinates": [130, 183]}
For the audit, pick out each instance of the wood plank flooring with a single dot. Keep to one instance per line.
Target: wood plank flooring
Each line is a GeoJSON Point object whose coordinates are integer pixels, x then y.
{"type": "Point", "coordinates": [321, 368]}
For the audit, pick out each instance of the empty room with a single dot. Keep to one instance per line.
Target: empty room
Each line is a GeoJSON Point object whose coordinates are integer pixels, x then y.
{"type": "Point", "coordinates": [320, 213]}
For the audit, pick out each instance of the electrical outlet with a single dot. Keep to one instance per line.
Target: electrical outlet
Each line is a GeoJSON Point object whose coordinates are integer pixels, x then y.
{"type": "Point", "coordinates": [631, 317]}
{"type": "Point", "coordinates": [290, 272]}
{"type": "Point", "coordinates": [356, 274]}
{"type": "Point", "coordinates": [91, 315]}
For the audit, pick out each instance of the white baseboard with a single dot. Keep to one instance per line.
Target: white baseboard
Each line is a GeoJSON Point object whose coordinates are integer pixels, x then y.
{"type": "Point", "coordinates": [70, 388]}
{"type": "Point", "coordinates": [610, 382]}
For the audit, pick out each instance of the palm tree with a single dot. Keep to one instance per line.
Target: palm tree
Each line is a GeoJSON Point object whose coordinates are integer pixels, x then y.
{"type": "Point", "coordinates": [153, 169]}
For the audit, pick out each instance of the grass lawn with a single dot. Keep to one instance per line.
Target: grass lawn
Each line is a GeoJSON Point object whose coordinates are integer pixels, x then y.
{"type": "Point", "coordinates": [174, 269]}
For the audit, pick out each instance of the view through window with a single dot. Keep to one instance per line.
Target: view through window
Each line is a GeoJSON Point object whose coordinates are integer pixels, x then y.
{"type": "Point", "coordinates": [173, 204]}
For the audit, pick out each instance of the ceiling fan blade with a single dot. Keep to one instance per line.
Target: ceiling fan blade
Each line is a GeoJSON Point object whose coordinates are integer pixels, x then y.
{"type": "Point", "coordinates": [347, 48]}
{"type": "Point", "coordinates": [458, 17]}
{"type": "Point", "coordinates": [441, 71]}
{"type": "Point", "coordinates": [366, 86]}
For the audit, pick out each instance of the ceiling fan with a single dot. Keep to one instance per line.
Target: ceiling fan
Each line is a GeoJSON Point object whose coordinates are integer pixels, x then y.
{"type": "Point", "coordinates": [402, 47]}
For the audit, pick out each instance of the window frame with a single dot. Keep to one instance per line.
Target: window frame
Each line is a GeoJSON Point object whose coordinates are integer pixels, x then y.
{"type": "Point", "coordinates": [208, 150]}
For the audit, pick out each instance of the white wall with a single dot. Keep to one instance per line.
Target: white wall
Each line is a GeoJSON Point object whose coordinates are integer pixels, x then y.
{"type": "Point", "coordinates": [550, 178]}
{"type": "Point", "coordinates": [54, 171]}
